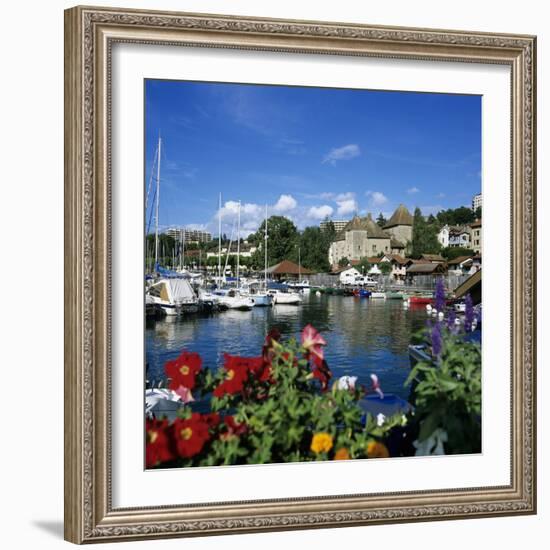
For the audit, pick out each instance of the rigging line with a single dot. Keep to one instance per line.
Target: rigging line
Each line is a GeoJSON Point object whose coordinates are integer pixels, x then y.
{"type": "Point", "coordinates": [151, 178]}
{"type": "Point", "coordinates": [151, 213]}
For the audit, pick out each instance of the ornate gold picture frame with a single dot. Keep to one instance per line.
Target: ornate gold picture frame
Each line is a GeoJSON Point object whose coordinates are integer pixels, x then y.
{"type": "Point", "coordinates": [90, 34]}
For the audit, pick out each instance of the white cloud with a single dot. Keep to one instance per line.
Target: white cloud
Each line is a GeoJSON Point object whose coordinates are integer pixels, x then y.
{"type": "Point", "coordinates": [376, 198]}
{"type": "Point", "coordinates": [440, 195]}
{"type": "Point", "coordinates": [285, 203]}
{"type": "Point", "coordinates": [345, 152]}
{"type": "Point", "coordinates": [346, 207]}
{"type": "Point", "coordinates": [320, 212]}
{"type": "Point", "coordinates": [413, 190]}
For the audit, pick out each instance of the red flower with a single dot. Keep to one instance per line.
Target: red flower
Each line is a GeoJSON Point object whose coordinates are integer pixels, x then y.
{"type": "Point", "coordinates": [233, 428]}
{"type": "Point", "coordinates": [212, 419]}
{"type": "Point", "coordinates": [158, 447]}
{"type": "Point", "coordinates": [322, 372]}
{"type": "Point", "coordinates": [183, 370]}
{"type": "Point", "coordinates": [238, 370]}
{"type": "Point", "coordinates": [313, 342]}
{"type": "Point", "coordinates": [190, 435]}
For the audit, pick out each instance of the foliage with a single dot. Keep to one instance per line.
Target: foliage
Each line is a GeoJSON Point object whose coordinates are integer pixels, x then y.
{"type": "Point", "coordinates": [447, 391]}
{"type": "Point", "coordinates": [424, 237]}
{"type": "Point", "coordinates": [364, 265]}
{"type": "Point", "coordinates": [276, 407]}
{"type": "Point", "coordinates": [314, 245]}
{"type": "Point", "coordinates": [385, 267]}
{"type": "Point", "coordinates": [343, 262]}
{"type": "Point", "coordinates": [281, 244]}
{"type": "Point", "coordinates": [456, 216]}
{"type": "Point", "coordinates": [452, 252]}
{"type": "Point", "coordinates": [380, 220]}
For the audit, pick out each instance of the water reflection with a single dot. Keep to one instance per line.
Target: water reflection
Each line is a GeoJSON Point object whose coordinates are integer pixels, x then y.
{"type": "Point", "coordinates": [363, 336]}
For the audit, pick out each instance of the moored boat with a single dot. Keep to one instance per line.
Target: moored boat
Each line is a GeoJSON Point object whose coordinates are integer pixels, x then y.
{"type": "Point", "coordinates": [421, 300]}
{"type": "Point", "coordinates": [173, 296]}
{"type": "Point", "coordinates": [285, 297]}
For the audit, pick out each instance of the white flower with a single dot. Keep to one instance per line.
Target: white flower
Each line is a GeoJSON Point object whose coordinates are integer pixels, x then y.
{"type": "Point", "coordinates": [380, 419]}
{"type": "Point", "coordinates": [347, 382]}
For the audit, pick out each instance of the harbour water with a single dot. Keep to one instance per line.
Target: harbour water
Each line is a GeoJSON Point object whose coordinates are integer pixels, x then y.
{"type": "Point", "coordinates": [363, 336]}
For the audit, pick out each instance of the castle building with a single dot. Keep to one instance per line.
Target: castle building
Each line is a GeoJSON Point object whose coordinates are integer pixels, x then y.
{"type": "Point", "coordinates": [363, 237]}
{"type": "Point", "coordinates": [400, 225]}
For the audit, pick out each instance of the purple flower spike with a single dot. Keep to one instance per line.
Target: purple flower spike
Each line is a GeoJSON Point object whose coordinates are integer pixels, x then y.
{"type": "Point", "coordinates": [469, 313]}
{"type": "Point", "coordinates": [436, 340]}
{"type": "Point", "coordinates": [439, 294]}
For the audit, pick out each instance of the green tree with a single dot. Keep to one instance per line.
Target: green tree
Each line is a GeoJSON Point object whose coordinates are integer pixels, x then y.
{"type": "Point", "coordinates": [385, 267]}
{"type": "Point", "coordinates": [456, 216]}
{"type": "Point", "coordinates": [381, 221]}
{"type": "Point", "coordinates": [314, 245]}
{"type": "Point", "coordinates": [364, 265]}
{"type": "Point", "coordinates": [343, 262]}
{"type": "Point", "coordinates": [477, 213]}
{"type": "Point", "coordinates": [424, 238]}
{"type": "Point", "coordinates": [281, 245]}
{"type": "Point", "coordinates": [450, 253]}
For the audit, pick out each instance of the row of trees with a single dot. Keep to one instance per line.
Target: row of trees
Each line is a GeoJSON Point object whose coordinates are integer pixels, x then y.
{"type": "Point", "coordinates": [311, 245]}
{"type": "Point", "coordinates": [285, 242]}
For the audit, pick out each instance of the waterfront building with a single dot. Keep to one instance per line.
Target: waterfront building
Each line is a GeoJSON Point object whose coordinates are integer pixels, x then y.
{"type": "Point", "coordinates": [400, 225]}
{"type": "Point", "coordinates": [246, 251]}
{"type": "Point", "coordinates": [419, 268]}
{"type": "Point", "coordinates": [476, 239]}
{"type": "Point", "coordinates": [465, 265]}
{"type": "Point", "coordinates": [338, 224]}
{"type": "Point", "coordinates": [189, 235]}
{"type": "Point", "coordinates": [360, 237]}
{"type": "Point", "coordinates": [433, 258]}
{"type": "Point", "coordinates": [286, 270]}
{"type": "Point", "coordinates": [454, 236]}
{"type": "Point", "coordinates": [477, 202]}
{"type": "Point", "coordinates": [398, 264]}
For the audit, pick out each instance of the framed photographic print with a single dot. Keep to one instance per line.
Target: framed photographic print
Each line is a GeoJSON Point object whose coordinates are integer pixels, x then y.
{"type": "Point", "coordinates": [300, 274]}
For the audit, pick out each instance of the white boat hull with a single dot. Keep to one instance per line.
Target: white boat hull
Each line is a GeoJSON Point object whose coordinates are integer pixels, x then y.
{"type": "Point", "coordinates": [261, 300]}
{"type": "Point", "coordinates": [287, 298]}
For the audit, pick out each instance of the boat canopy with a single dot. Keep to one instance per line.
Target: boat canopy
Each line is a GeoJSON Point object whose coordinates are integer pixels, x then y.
{"type": "Point", "coordinates": [168, 273]}
{"type": "Point", "coordinates": [175, 291]}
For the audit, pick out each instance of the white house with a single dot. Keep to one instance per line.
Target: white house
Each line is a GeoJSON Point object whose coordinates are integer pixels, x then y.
{"type": "Point", "coordinates": [454, 236]}
{"type": "Point", "coordinates": [398, 265]}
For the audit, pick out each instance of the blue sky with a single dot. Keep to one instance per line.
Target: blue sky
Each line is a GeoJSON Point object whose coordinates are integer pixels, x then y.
{"type": "Point", "coordinates": [307, 152]}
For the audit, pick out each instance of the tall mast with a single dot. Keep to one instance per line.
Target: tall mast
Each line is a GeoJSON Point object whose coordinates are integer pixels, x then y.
{"type": "Point", "coordinates": [220, 241]}
{"type": "Point", "coordinates": [265, 249]}
{"type": "Point", "coordinates": [157, 205]}
{"type": "Point", "coordinates": [183, 245]}
{"type": "Point", "coordinates": [299, 266]}
{"type": "Point", "coordinates": [238, 243]}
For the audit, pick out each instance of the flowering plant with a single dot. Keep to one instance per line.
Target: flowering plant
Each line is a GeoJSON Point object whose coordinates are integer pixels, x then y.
{"type": "Point", "coordinates": [446, 389]}
{"type": "Point", "coordinates": [276, 407]}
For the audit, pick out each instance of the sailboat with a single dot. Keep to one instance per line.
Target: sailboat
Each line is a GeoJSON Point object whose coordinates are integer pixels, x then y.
{"type": "Point", "coordinates": [233, 298]}
{"type": "Point", "coordinates": [170, 292]}
{"type": "Point", "coordinates": [259, 296]}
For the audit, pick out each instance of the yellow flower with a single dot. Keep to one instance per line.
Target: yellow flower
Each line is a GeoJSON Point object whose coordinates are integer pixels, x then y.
{"type": "Point", "coordinates": [342, 454]}
{"type": "Point", "coordinates": [377, 450]}
{"type": "Point", "coordinates": [321, 443]}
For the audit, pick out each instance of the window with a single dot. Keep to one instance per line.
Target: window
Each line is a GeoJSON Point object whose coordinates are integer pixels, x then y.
{"type": "Point", "coordinates": [374, 248]}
